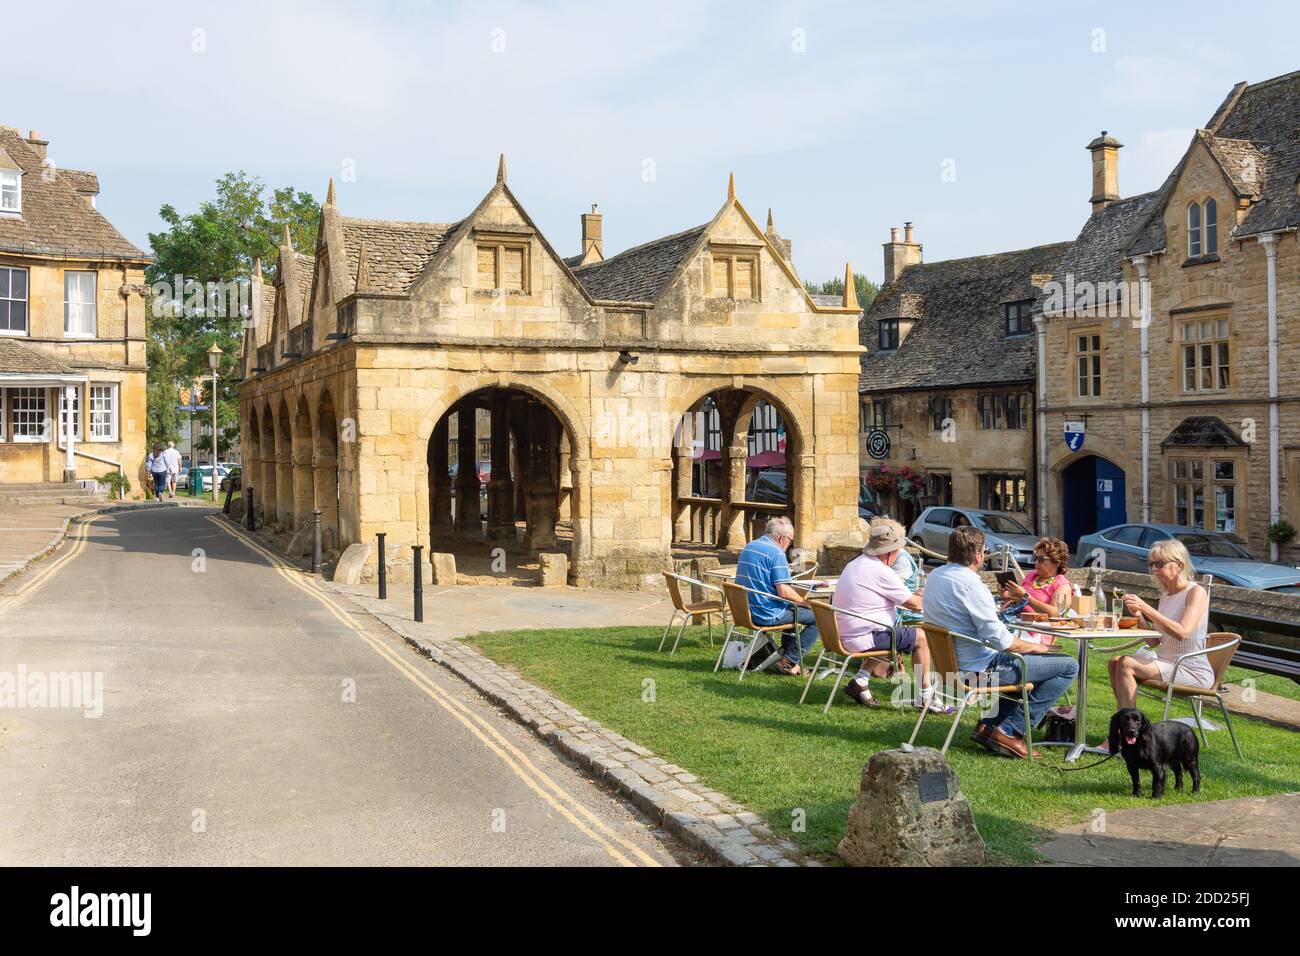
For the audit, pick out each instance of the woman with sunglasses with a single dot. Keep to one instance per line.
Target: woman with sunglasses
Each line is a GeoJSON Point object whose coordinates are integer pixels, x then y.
{"type": "Point", "coordinates": [1047, 589]}
{"type": "Point", "coordinates": [1182, 618]}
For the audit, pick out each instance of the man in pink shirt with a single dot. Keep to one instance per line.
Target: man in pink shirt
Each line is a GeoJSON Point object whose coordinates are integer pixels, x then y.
{"type": "Point", "coordinates": [869, 587]}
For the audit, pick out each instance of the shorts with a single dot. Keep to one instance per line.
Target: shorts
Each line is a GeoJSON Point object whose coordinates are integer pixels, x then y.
{"type": "Point", "coordinates": [906, 639]}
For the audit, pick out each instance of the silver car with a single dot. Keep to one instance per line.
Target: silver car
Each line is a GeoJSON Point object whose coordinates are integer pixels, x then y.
{"type": "Point", "coordinates": [935, 524]}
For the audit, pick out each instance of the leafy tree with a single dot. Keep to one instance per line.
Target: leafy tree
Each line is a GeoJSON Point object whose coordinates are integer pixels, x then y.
{"type": "Point", "coordinates": [218, 243]}
{"type": "Point", "coordinates": [864, 287]}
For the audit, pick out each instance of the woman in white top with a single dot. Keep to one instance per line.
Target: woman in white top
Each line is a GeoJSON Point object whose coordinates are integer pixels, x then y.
{"type": "Point", "coordinates": [1182, 618]}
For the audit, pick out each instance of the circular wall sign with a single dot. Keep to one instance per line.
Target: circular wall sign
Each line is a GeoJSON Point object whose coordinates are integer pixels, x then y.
{"type": "Point", "coordinates": [878, 444]}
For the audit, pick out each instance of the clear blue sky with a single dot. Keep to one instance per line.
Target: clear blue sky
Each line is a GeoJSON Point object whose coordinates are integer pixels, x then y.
{"type": "Point", "coordinates": [840, 116]}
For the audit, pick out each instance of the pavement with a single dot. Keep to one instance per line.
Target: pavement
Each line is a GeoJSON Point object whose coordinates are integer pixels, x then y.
{"type": "Point", "coordinates": [246, 721]}
{"type": "Point", "coordinates": [1247, 831]}
{"type": "Point", "coordinates": [30, 532]}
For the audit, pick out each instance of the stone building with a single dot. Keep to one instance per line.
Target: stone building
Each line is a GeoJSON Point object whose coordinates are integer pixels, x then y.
{"type": "Point", "coordinates": [1171, 338]}
{"type": "Point", "coordinates": [369, 356]}
{"type": "Point", "coordinates": [72, 325]}
{"type": "Point", "coordinates": [947, 386]}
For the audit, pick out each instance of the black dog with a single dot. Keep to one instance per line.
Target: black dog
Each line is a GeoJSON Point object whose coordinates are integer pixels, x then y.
{"type": "Point", "coordinates": [1148, 746]}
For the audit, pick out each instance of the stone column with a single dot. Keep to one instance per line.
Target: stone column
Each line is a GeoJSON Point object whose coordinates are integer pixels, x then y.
{"type": "Point", "coordinates": [439, 481]}
{"type": "Point", "coordinates": [565, 512]}
{"type": "Point", "coordinates": [681, 480]}
{"type": "Point", "coordinates": [468, 517]}
{"type": "Point", "coordinates": [266, 495]}
{"type": "Point", "coordinates": [501, 489]}
{"type": "Point", "coordinates": [326, 479]}
{"type": "Point", "coordinates": [542, 486]}
{"type": "Point", "coordinates": [304, 490]}
{"type": "Point", "coordinates": [284, 484]}
{"type": "Point", "coordinates": [519, 428]}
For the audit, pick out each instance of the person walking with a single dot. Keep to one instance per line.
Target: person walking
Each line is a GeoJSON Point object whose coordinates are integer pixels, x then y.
{"type": "Point", "coordinates": [156, 463]}
{"type": "Point", "coordinates": [173, 459]}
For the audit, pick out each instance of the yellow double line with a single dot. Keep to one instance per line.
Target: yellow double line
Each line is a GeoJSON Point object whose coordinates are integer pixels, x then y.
{"type": "Point", "coordinates": [534, 777]}
{"type": "Point", "coordinates": [26, 588]}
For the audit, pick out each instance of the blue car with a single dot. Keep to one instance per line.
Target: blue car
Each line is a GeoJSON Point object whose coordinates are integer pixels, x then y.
{"type": "Point", "coordinates": [1125, 547]}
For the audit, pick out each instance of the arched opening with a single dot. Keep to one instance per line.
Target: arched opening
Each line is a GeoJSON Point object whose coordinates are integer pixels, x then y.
{"type": "Point", "coordinates": [736, 463]}
{"type": "Point", "coordinates": [266, 491]}
{"type": "Point", "coordinates": [496, 460]}
{"type": "Point", "coordinates": [1092, 497]}
{"type": "Point", "coordinates": [325, 470]}
{"type": "Point", "coordinates": [283, 467]}
{"type": "Point", "coordinates": [304, 485]}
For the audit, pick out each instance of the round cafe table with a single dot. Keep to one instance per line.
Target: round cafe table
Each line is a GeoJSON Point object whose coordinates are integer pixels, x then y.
{"type": "Point", "coordinates": [1086, 638]}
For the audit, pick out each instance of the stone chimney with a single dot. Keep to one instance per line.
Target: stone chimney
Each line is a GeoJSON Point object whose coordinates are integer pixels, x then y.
{"type": "Point", "coordinates": [900, 252]}
{"type": "Point", "coordinates": [37, 144]}
{"type": "Point", "coordinates": [592, 250]}
{"type": "Point", "coordinates": [1105, 171]}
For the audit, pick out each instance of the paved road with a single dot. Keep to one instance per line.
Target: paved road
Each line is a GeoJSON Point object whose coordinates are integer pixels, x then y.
{"type": "Point", "coordinates": [226, 737]}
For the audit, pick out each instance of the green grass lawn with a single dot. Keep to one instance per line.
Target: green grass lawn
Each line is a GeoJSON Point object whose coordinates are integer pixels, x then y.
{"type": "Point", "coordinates": [753, 741]}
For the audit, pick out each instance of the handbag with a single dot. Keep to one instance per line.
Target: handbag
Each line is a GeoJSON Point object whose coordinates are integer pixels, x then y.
{"type": "Point", "coordinates": [733, 656]}
{"type": "Point", "coordinates": [1058, 725]}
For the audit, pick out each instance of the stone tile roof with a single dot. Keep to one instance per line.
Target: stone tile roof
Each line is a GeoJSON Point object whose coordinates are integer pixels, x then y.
{"type": "Point", "coordinates": [20, 357]}
{"type": "Point", "coordinates": [1097, 255]}
{"type": "Point", "coordinates": [638, 274]}
{"type": "Point", "coordinates": [1254, 137]}
{"type": "Point", "coordinates": [55, 219]}
{"type": "Point", "coordinates": [1202, 431]}
{"type": "Point", "coordinates": [396, 252]}
{"type": "Point", "coordinates": [958, 338]}
{"type": "Point", "coordinates": [83, 182]}
{"type": "Point", "coordinates": [834, 301]}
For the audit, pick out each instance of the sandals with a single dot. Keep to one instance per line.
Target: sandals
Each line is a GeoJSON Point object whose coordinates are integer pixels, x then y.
{"type": "Point", "coordinates": [784, 666]}
{"type": "Point", "coordinates": [935, 707]}
{"type": "Point", "coordinates": [860, 694]}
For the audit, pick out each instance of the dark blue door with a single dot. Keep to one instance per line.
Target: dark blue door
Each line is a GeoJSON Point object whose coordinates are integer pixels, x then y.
{"type": "Point", "coordinates": [1092, 497]}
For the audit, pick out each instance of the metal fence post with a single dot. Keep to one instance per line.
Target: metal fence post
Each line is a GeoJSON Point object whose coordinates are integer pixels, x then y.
{"type": "Point", "coordinates": [315, 541]}
{"type": "Point", "coordinates": [383, 571]}
{"type": "Point", "coordinates": [417, 563]}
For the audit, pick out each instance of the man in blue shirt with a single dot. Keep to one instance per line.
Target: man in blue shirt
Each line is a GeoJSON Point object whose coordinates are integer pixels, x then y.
{"type": "Point", "coordinates": [957, 600]}
{"type": "Point", "coordinates": [763, 567]}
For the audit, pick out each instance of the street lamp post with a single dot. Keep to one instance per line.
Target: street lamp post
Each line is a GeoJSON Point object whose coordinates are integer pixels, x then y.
{"type": "Point", "coordinates": [214, 361]}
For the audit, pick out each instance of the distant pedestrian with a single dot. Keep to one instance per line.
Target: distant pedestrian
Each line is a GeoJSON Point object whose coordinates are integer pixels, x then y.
{"type": "Point", "coordinates": [156, 463]}
{"type": "Point", "coordinates": [173, 459]}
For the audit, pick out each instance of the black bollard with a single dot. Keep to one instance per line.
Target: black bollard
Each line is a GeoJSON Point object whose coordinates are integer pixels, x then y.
{"type": "Point", "coordinates": [249, 520]}
{"type": "Point", "coordinates": [417, 562]}
{"type": "Point", "coordinates": [383, 570]}
{"type": "Point", "coordinates": [315, 541]}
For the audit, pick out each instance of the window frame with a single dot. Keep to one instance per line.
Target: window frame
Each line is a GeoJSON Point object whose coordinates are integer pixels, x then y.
{"type": "Point", "coordinates": [1208, 486]}
{"type": "Point", "coordinates": [498, 247]}
{"type": "Point", "coordinates": [1194, 241]}
{"type": "Point", "coordinates": [989, 408]}
{"type": "Point", "coordinates": [1020, 402]}
{"type": "Point", "coordinates": [18, 192]}
{"type": "Point", "coordinates": [93, 303]}
{"type": "Point", "coordinates": [1023, 310]}
{"type": "Point", "coordinates": [731, 255]}
{"type": "Point", "coordinates": [994, 483]}
{"type": "Point", "coordinates": [114, 390]}
{"type": "Point", "coordinates": [26, 300]}
{"type": "Point", "coordinates": [42, 437]}
{"type": "Point", "coordinates": [1219, 343]}
{"type": "Point", "coordinates": [1210, 227]}
{"type": "Point", "coordinates": [945, 411]}
{"type": "Point", "coordinates": [1096, 351]}
{"type": "Point", "coordinates": [889, 331]}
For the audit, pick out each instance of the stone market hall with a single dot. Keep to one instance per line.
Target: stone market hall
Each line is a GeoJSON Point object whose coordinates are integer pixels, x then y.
{"type": "Point", "coordinates": [372, 367]}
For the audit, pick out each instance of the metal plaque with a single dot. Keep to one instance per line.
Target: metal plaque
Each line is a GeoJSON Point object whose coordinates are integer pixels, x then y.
{"type": "Point", "coordinates": [933, 787]}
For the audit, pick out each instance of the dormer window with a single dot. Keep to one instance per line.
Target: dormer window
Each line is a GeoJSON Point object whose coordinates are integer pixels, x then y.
{"type": "Point", "coordinates": [1016, 317]}
{"type": "Point", "coordinates": [1202, 229]}
{"type": "Point", "coordinates": [11, 191]}
{"type": "Point", "coordinates": [888, 335]}
{"type": "Point", "coordinates": [733, 273]}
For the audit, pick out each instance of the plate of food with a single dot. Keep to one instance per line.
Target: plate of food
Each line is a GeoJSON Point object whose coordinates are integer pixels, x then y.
{"type": "Point", "coordinates": [1063, 624]}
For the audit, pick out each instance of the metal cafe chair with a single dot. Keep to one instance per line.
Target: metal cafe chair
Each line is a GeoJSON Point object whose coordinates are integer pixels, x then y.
{"type": "Point", "coordinates": [1220, 646]}
{"type": "Point", "coordinates": [738, 605]}
{"type": "Point", "coordinates": [685, 613]}
{"type": "Point", "coordinates": [833, 650]}
{"type": "Point", "coordinates": [943, 661]}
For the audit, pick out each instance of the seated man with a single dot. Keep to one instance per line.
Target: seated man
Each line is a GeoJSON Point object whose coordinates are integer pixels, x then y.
{"type": "Point", "coordinates": [871, 586]}
{"type": "Point", "coordinates": [956, 599]}
{"type": "Point", "coordinates": [763, 567]}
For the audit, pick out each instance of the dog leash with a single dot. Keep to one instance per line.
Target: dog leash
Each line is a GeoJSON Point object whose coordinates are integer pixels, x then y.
{"type": "Point", "coordinates": [1089, 766]}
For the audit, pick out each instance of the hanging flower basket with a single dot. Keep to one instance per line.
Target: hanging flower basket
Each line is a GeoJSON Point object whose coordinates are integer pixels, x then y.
{"type": "Point", "coordinates": [911, 484]}
{"type": "Point", "coordinates": [881, 480]}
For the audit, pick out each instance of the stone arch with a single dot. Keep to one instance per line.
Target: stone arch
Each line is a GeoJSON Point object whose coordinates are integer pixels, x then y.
{"type": "Point", "coordinates": [725, 523]}
{"type": "Point", "coordinates": [267, 495]}
{"type": "Point", "coordinates": [325, 467]}
{"type": "Point", "coordinates": [304, 494]}
{"type": "Point", "coordinates": [283, 462]}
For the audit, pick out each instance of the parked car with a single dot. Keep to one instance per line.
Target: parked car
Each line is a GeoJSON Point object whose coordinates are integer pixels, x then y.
{"type": "Point", "coordinates": [1125, 547]}
{"type": "Point", "coordinates": [934, 526]}
{"type": "Point", "coordinates": [205, 472]}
